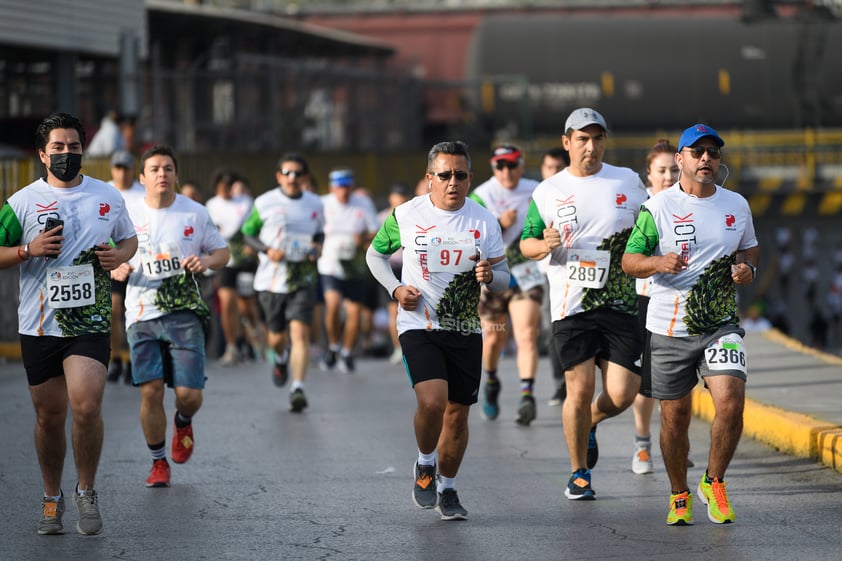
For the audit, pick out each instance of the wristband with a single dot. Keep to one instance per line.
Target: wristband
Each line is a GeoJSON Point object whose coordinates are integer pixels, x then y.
{"type": "Point", "coordinates": [753, 270]}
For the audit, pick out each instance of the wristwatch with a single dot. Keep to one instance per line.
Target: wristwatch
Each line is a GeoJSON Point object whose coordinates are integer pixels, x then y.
{"type": "Point", "coordinates": [753, 270]}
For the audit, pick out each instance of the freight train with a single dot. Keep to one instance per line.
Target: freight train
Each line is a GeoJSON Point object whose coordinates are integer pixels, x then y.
{"type": "Point", "coordinates": [649, 72]}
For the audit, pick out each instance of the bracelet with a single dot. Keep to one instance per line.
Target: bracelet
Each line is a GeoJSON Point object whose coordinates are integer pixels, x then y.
{"type": "Point", "coordinates": [25, 256]}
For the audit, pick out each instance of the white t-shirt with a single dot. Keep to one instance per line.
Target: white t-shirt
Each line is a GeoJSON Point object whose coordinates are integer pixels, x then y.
{"type": "Point", "coordinates": [281, 222]}
{"type": "Point", "coordinates": [71, 294]}
{"type": "Point", "coordinates": [342, 256]}
{"type": "Point", "coordinates": [438, 245]}
{"type": "Point", "coordinates": [595, 215]}
{"type": "Point", "coordinates": [158, 285]}
{"type": "Point", "coordinates": [136, 191]}
{"type": "Point", "coordinates": [229, 216]}
{"type": "Point", "coordinates": [707, 233]}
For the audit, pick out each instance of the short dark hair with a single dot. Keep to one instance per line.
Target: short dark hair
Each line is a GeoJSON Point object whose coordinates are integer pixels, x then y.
{"type": "Point", "coordinates": [158, 150]}
{"type": "Point", "coordinates": [296, 157]}
{"type": "Point", "coordinates": [453, 147]}
{"type": "Point", "coordinates": [57, 121]}
{"type": "Point", "coordinates": [558, 153]}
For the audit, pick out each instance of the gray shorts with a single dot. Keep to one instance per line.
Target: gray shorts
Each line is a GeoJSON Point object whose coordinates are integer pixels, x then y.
{"type": "Point", "coordinates": [280, 309]}
{"type": "Point", "coordinates": [677, 362]}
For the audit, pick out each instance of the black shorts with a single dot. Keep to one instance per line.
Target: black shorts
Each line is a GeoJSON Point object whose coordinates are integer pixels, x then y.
{"type": "Point", "coordinates": [43, 357]}
{"type": "Point", "coordinates": [353, 290]}
{"type": "Point", "coordinates": [604, 334]}
{"type": "Point", "coordinates": [279, 309]}
{"type": "Point", "coordinates": [444, 355]}
{"type": "Point", "coordinates": [119, 287]}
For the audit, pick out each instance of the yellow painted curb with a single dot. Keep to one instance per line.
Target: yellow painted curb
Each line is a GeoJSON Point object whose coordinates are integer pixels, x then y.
{"type": "Point", "coordinates": [10, 351]}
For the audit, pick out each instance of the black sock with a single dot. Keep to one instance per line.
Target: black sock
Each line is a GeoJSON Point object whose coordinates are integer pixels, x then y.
{"type": "Point", "coordinates": [182, 421]}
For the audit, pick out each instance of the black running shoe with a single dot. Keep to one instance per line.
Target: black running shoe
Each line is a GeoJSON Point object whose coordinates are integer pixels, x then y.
{"type": "Point", "coordinates": [579, 486]}
{"type": "Point", "coordinates": [328, 361]}
{"type": "Point", "coordinates": [297, 401]}
{"type": "Point", "coordinates": [449, 506]}
{"type": "Point", "coordinates": [526, 411]}
{"type": "Point", "coordinates": [490, 407]}
{"type": "Point", "coordinates": [115, 370]}
{"type": "Point", "coordinates": [280, 374]}
{"type": "Point", "coordinates": [424, 486]}
{"type": "Point", "coordinates": [593, 448]}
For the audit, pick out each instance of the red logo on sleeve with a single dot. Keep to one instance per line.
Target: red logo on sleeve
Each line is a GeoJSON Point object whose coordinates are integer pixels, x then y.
{"type": "Point", "coordinates": [104, 208]}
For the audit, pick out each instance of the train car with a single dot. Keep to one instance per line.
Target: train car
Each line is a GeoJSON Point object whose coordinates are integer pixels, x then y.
{"type": "Point", "coordinates": [646, 72]}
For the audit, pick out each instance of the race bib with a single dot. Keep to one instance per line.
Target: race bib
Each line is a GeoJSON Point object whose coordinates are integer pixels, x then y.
{"type": "Point", "coordinates": [296, 247]}
{"type": "Point", "coordinates": [451, 252]}
{"type": "Point", "coordinates": [527, 275]}
{"type": "Point", "coordinates": [340, 247]}
{"type": "Point", "coordinates": [71, 287]}
{"type": "Point", "coordinates": [588, 267]}
{"type": "Point", "coordinates": [161, 261]}
{"type": "Point", "coordinates": [727, 353]}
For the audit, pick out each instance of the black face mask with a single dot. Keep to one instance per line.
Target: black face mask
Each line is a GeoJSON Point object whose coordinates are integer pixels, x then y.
{"type": "Point", "coordinates": [65, 166]}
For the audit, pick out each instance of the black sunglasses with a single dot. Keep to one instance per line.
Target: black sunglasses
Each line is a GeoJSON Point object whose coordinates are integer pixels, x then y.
{"type": "Point", "coordinates": [446, 175]}
{"type": "Point", "coordinates": [503, 165]}
{"type": "Point", "coordinates": [292, 173]}
{"type": "Point", "coordinates": [698, 151]}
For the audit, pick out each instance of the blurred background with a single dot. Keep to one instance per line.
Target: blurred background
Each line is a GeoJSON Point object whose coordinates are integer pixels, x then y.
{"type": "Point", "coordinates": [372, 84]}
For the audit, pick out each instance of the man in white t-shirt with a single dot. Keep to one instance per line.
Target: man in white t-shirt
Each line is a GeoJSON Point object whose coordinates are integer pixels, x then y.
{"type": "Point", "coordinates": [581, 217]}
{"type": "Point", "coordinates": [350, 223]}
{"type": "Point", "coordinates": [452, 246]}
{"type": "Point", "coordinates": [166, 317]}
{"type": "Point", "coordinates": [507, 195]}
{"type": "Point", "coordinates": [123, 178]}
{"type": "Point", "coordinates": [286, 229]}
{"type": "Point", "coordinates": [696, 241]}
{"type": "Point", "coordinates": [57, 230]}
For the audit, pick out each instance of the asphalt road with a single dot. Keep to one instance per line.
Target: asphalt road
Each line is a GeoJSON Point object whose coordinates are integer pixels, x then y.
{"type": "Point", "coordinates": [334, 483]}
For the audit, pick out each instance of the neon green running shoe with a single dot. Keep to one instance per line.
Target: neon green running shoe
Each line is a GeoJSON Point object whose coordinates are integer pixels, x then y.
{"type": "Point", "coordinates": [681, 509]}
{"type": "Point", "coordinates": [713, 494]}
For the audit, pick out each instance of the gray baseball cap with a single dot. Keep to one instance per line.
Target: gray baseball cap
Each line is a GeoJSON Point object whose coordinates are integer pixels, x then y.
{"type": "Point", "coordinates": [584, 117]}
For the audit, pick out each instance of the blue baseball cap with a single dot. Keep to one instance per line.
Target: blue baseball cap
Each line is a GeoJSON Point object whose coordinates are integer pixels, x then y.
{"type": "Point", "coordinates": [341, 178]}
{"type": "Point", "coordinates": [698, 131]}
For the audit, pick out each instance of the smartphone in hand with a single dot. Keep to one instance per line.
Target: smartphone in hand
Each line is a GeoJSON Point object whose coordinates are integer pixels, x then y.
{"type": "Point", "coordinates": [51, 223]}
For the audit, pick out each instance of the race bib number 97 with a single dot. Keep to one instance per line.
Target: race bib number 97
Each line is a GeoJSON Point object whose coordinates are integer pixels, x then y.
{"type": "Point", "coordinates": [70, 287]}
{"type": "Point", "coordinates": [727, 353]}
{"type": "Point", "coordinates": [451, 252]}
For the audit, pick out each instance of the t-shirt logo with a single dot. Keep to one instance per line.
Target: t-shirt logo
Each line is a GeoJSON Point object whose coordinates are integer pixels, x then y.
{"type": "Point", "coordinates": [729, 220]}
{"type": "Point", "coordinates": [188, 231]}
{"type": "Point", "coordinates": [104, 208]}
{"type": "Point", "coordinates": [621, 198]}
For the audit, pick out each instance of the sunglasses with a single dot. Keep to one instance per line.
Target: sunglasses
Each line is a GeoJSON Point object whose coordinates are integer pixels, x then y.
{"type": "Point", "coordinates": [506, 165]}
{"type": "Point", "coordinates": [699, 151]}
{"type": "Point", "coordinates": [292, 173]}
{"type": "Point", "coordinates": [446, 175]}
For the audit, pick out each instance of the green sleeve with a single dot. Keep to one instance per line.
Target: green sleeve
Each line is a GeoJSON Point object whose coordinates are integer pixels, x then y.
{"type": "Point", "coordinates": [388, 238]}
{"type": "Point", "coordinates": [644, 237]}
{"type": "Point", "coordinates": [253, 224]}
{"type": "Point", "coordinates": [11, 231]}
{"type": "Point", "coordinates": [476, 198]}
{"type": "Point", "coordinates": [533, 226]}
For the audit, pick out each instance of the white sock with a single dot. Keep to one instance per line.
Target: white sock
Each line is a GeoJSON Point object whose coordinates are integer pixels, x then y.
{"type": "Point", "coordinates": [445, 483]}
{"type": "Point", "coordinates": [296, 384]}
{"type": "Point", "coordinates": [427, 459]}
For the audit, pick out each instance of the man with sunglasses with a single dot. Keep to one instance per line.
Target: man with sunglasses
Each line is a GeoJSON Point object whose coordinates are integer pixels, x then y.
{"type": "Point", "coordinates": [697, 242]}
{"type": "Point", "coordinates": [451, 246]}
{"type": "Point", "coordinates": [581, 217]}
{"type": "Point", "coordinates": [507, 195]}
{"type": "Point", "coordinates": [286, 228]}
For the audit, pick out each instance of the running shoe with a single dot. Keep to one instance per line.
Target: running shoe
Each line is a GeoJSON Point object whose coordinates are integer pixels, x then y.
{"type": "Point", "coordinates": [280, 374]}
{"type": "Point", "coordinates": [526, 411]}
{"type": "Point", "coordinates": [449, 506]}
{"type": "Point", "coordinates": [182, 444]}
{"type": "Point", "coordinates": [642, 460]}
{"type": "Point", "coordinates": [490, 407]}
{"type": "Point", "coordinates": [424, 486]}
{"type": "Point", "coordinates": [90, 520]}
{"type": "Point", "coordinates": [115, 370]}
{"type": "Point", "coordinates": [328, 361]}
{"type": "Point", "coordinates": [559, 396]}
{"type": "Point", "coordinates": [346, 364]}
{"type": "Point", "coordinates": [579, 486]}
{"type": "Point", "coordinates": [159, 475]}
{"type": "Point", "coordinates": [713, 494]}
{"type": "Point", "coordinates": [593, 448]}
{"type": "Point", "coordinates": [297, 400]}
{"type": "Point", "coordinates": [681, 509]}
{"type": "Point", "coordinates": [51, 512]}
{"type": "Point", "coordinates": [127, 374]}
